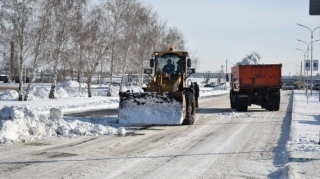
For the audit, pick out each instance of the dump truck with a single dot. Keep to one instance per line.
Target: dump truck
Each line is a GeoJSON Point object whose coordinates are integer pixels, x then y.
{"type": "Point", "coordinates": [168, 99]}
{"type": "Point", "coordinates": [255, 84]}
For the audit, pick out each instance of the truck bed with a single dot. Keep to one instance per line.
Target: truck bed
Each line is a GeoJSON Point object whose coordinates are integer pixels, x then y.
{"type": "Point", "coordinates": [256, 76]}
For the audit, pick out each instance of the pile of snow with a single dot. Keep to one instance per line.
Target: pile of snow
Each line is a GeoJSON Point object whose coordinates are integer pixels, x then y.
{"type": "Point", "coordinates": [40, 92]}
{"type": "Point", "coordinates": [251, 59]}
{"type": "Point", "coordinates": [132, 89]}
{"type": "Point", "coordinates": [9, 95]}
{"type": "Point", "coordinates": [23, 123]}
{"type": "Point", "coordinates": [152, 112]}
{"type": "Point", "coordinates": [71, 84]}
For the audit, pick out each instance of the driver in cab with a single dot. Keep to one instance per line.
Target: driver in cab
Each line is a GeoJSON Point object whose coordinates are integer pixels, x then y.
{"type": "Point", "coordinates": [169, 67]}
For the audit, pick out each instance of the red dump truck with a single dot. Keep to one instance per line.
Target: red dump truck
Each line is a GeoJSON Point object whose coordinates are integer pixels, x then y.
{"type": "Point", "coordinates": [255, 84]}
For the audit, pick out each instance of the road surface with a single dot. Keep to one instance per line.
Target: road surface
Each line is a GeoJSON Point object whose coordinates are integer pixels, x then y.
{"type": "Point", "coordinates": [222, 144]}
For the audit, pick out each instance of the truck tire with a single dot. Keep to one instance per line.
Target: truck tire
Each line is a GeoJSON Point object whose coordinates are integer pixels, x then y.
{"type": "Point", "coordinates": [190, 109]}
{"type": "Point", "coordinates": [232, 105]}
{"type": "Point", "coordinates": [243, 108]}
{"type": "Point", "coordinates": [276, 107]}
{"type": "Point", "coordinates": [231, 100]}
{"type": "Point", "coordinates": [236, 107]}
{"type": "Point", "coordinates": [269, 108]}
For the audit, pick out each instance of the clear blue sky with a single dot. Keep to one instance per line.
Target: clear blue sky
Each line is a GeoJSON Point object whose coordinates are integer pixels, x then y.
{"type": "Point", "coordinates": [230, 29]}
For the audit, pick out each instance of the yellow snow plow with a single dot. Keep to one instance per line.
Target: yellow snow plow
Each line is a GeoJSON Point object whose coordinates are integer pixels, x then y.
{"type": "Point", "coordinates": [166, 100]}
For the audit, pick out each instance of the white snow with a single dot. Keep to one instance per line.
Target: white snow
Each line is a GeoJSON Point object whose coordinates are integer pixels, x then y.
{"type": "Point", "coordinates": [152, 112]}
{"type": "Point", "coordinates": [250, 59]}
{"type": "Point", "coordinates": [305, 127]}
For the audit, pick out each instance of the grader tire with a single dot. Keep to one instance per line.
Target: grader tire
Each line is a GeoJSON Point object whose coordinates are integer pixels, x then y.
{"type": "Point", "coordinates": [190, 109]}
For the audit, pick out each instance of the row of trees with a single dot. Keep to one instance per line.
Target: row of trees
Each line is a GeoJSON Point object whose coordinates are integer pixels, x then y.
{"type": "Point", "coordinates": [117, 36]}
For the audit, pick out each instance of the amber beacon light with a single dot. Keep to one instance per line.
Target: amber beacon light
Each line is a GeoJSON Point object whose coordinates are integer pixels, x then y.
{"type": "Point", "coordinates": [171, 47]}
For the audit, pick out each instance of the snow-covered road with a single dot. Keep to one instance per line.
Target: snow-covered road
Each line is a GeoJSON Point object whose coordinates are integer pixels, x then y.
{"type": "Point", "coordinates": [222, 144]}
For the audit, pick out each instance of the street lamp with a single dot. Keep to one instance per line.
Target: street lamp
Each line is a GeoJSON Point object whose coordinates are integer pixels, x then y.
{"type": "Point", "coordinates": [304, 68]}
{"type": "Point", "coordinates": [307, 58]}
{"type": "Point", "coordinates": [311, 31]}
{"type": "Point", "coordinates": [308, 44]}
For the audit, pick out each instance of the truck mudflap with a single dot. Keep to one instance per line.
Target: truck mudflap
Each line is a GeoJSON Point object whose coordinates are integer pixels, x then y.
{"type": "Point", "coordinates": [273, 101]}
{"type": "Point", "coordinates": [243, 101]}
{"type": "Point", "coordinates": [239, 102]}
{"type": "Point", "coordinates": [273, 98]}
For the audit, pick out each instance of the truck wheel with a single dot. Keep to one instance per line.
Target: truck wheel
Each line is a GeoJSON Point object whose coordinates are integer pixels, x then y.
{"type": "Point", "coordinates": [236, 107]}
{"type": "Point", "coordinates": [190, 109]}
{"type": "Point", "coordinates": [270, 108]}
{"type": "Point", "coordinates": [243, 108]}
{"type": "Point", "coordinates": [276, 107]}
{"type": "Point", "coordinates": [232, 105]}
{"type": "Point", "coordinates": [231, 100]}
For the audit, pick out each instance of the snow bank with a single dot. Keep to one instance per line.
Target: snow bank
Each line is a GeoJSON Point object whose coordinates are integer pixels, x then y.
{"type": "Point", "coordinates": [65, 89]}
{"type": "Point", "coordinates": [71, 84]}
{"type": "Point", "coordinates": [9, 95]}
{"type": "Point", "coordinates": [305, 131]}
{"type": "Point", "coordinates": [22, 124]}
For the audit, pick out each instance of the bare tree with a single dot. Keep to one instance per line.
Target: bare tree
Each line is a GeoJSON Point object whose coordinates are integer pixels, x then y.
{"type": "Point", "coordinates": [62, 12]}
{"type": "Point", "coordinates": [206, 77]}
{"type": "Point", "coordinates": [77, 40]}
{"type": "Point", "coordinates": [75, 37]}
{"type": "Point", "coordinates": [148, 35]}
{"type": "Point", "coordinates": [175, 37]}
{"type": "Point", "coordinates": [18, 20]}
{"type": "Point", "coordinates": [115, 10]}
{"type": "Point", "coordinates": [133, 19]}
{"type": "Point", "coordinates": [3, 34]}
{"type": "Point", "coordinates": [39, 33]}
{"type": "Point", "coordinates": [12, 62]}
{"type": "Point", "coordinates": [195, 58]}
{"type": "Point", "coordinates": [95, 43]}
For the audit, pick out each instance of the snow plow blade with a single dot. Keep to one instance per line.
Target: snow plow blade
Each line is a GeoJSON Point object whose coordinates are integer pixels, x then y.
{"type": "Point", "coordinates": [151, 108]}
